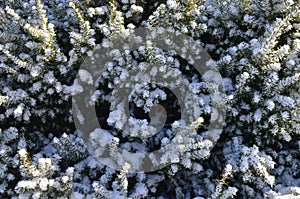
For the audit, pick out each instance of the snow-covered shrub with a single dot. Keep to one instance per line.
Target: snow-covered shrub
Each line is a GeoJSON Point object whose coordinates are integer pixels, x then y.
{"type": "Point", "coordinates": [254, 45]}
{"type": "Point", "coordinates": [41, 181]}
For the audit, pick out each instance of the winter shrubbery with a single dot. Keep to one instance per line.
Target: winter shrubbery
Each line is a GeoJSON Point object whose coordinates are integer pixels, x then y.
{"type": "Point", "coordinates": [253, 44]}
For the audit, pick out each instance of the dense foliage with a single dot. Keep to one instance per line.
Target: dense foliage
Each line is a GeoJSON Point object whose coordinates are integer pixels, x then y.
{"type": "Point", "coordinates": [254, 44]}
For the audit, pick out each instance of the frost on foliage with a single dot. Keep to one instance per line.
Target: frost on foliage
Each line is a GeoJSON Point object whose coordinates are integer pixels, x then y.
{"type": "Point", "coordinates": [70, 148]}
{"type": "Point", "coordinates": [40, 181]}
{"type": "Point", "coordinates": [249, 162]}
{"type": "Point", "coordinates": [253, 43]}
{"type": "Point", "coordinates": [284, 192]}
